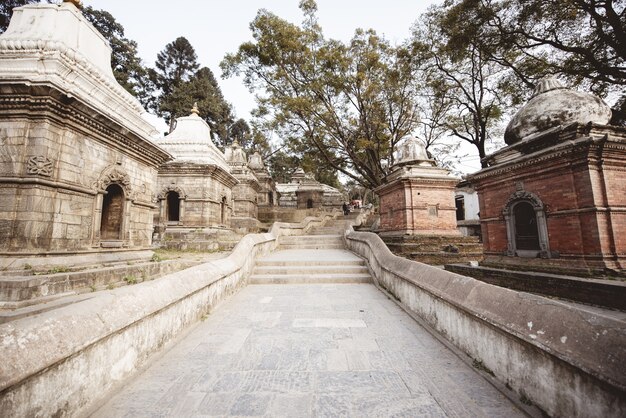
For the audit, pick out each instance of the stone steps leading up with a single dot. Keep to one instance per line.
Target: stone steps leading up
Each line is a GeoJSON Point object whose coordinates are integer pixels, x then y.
{"type": "Point", "coordinates": [302, 265]}
{"type": "Point", "coordinates": [311, 242]}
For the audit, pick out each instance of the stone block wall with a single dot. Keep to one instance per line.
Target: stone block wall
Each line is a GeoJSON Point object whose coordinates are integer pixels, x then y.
{"type": "Point", "coordinates": [201, 197]}
{"type": "Point", "coordinates": [54, 173]}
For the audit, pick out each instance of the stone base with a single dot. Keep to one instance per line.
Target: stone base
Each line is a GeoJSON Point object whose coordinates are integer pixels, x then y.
{"type": "Point", "coordinates": [435, 249]}
{"type": "Point", "coordinates": [15, 262]}
{"type": "Point", "coordinates": [244, 225]}
{"type": "Point", "coordinates": [569, 265]}
{"type": "Point", "coordinates": [604, 293]}
{"type": "Point", "coordinates": [199, 239]}
{"type": "Point", "coordinates": [26, 290]}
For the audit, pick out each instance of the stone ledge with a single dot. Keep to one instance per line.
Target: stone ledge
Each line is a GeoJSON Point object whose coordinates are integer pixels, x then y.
{"type": "Point", "coordinates": [606, 293]}
{"type": "Point", "coordinates": [567, 361]}
{"type": "Point", "coordinates": [61, 362]}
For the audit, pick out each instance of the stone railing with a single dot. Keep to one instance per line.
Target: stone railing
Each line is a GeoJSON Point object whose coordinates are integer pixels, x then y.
{"type": "Point", "coordinates": [61, 362]}
{"type": "Point", "coordinates": [567, 361]}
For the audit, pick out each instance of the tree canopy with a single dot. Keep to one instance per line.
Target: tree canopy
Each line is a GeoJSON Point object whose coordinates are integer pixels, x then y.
{"type": "Point", "coordinates": [346, 103]}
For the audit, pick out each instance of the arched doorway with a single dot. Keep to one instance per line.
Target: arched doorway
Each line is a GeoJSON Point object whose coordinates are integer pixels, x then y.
{"type": "Point", "coordinates": [112, 213]}
{"type": "Point", "coordinates": [526, 226]}
{"type": "Point", "coordinates": [173, 207]}
{"type": "Point", "coordinates": [526, 232]}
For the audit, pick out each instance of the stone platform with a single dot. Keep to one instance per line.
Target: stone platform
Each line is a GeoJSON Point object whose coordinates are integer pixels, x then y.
{"type": "Point", "coordinates": [309, 350]}
{"type": "Point", "coordinates": [435, 250]}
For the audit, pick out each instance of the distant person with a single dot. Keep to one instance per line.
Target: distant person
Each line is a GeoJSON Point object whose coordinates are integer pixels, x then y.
{"type": "Point", "coordinates": [345, 208]}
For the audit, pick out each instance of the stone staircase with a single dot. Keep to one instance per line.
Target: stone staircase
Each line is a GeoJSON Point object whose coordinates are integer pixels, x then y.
{"type": "Point", "coordinates": [311, 242]}
{"type": "Point", "coordinates": [320, 257]}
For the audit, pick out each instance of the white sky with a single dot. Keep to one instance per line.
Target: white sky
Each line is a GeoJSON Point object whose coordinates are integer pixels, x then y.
{"type": "Point", "coordinates": [215, 28]}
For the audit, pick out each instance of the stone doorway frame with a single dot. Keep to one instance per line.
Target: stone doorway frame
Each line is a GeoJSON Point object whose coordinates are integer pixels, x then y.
{"type": "Point", "coordinates": [522, 196]}
{"type": "Point", "coordinates": [162, 198]}
{"type": "Point", "coordinates": [113, 174]}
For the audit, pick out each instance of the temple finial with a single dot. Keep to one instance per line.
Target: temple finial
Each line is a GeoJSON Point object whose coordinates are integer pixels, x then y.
{"type": "Point", "coordinates": [194, 109]}
{"type": "Point", "coordinates": [76, 3]}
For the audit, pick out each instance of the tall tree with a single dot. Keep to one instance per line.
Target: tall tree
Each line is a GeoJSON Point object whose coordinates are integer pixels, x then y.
{"type": "Point", "coordinates": [466, 81]}
{"type": "Point", "coordinates": [200, 88]}
{"type": "Point", "coordinates": [175, 65]}
{"type": "Point", "coordinates": [582, 40]}
{"type": "Point", "coordinates": [348, 103]}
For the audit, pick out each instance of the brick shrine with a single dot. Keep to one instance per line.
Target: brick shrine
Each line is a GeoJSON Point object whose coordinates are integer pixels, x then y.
{"type": "Point", "coordinates": [554, 199]}
{"type": "Point", "coordinates": [417, 197]}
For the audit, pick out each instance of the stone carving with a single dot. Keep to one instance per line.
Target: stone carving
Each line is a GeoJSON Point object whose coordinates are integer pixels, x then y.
{"type": "Point", "coordinates": [171, 188]}
{"type": "Point", "coordinates": [531, 198]}
{"type": "Point", "coordinates": [113, 175]}
{"type": "Point", "coordinates": [412, 150]}
{"type": "Point", "coordinates": [39, 165]}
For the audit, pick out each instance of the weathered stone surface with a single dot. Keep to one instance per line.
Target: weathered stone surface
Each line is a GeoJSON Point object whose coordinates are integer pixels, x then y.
{"type": "Point", "coordinates": [118, 330]}
{"type": "Point", "coordinates": [529, 342]}
{"type": "Point", "coordinates": [360, 355]}
{"type": "Point", "coordinates": [553, 105]}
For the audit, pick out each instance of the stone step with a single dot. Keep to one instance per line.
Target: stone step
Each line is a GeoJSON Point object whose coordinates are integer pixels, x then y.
{"type": "Point", "coordinates": [309, 270]}
{"type": "Point", "coordinates": [306, 279]}
{"type": "Point", "coordinates": [298, 263]}
{"type": "Point", "coordinates": [312, 246]}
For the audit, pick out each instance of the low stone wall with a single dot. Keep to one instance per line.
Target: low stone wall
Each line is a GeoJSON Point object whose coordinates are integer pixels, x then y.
{"type": "Point", "coordinates": [61, 362]}
{"type": "Point", "coordinates": [607, 293]}
{"type": "Point", "coordinates": [567, 361]}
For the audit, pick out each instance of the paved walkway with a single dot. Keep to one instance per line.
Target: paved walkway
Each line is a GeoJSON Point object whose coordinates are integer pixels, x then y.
{"type": "Point", "coordinates": [308, 350]}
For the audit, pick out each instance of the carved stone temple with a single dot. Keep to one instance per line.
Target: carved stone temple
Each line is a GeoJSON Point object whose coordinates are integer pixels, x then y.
{"type": "Point", "coordinates": [554, 199]}
{"type": "Point", "coordinates": [78, 168]}
{"type": "Point", "coordinates": [195, 188]}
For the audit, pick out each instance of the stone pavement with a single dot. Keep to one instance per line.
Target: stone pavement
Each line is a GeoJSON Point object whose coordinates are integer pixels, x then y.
{"type": "Point", "coordinates": [308, 350]}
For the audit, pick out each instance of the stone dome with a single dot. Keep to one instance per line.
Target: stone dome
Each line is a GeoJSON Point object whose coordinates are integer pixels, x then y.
{"type": "Point", "coordinates": [256, 162]}
{"type": "Point", "coordinates": [191, 142]}
{"type": "Point", "coordinates": [236, 155]}
{"type": "Point", "coordinates": [552, 105]}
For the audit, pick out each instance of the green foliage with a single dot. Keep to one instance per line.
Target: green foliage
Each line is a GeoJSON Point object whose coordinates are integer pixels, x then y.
{"type": "Point", "coordinates": [583, 41]}
{"type": "Point", "coordinates": [58, 269]}
{"type": "Point", "coordinates": [28, 267]}
{"type": "Point", "coordinates": [156, 258]}
{"type": "Point", "coordinates": [343, 104]}
{"type": "Point", "coordinates": [130, 279]}
{"type": "Point", "coordinates": [463, 89]}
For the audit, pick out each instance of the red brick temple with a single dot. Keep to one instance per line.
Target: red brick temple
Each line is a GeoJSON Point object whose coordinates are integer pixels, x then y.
{"type": "Point", "coordinates": [554, 199]}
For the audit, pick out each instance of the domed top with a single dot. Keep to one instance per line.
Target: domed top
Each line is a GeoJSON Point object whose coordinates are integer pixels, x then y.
{"type": "Point", "coordinates": [191, 141]}
{"type": "Point", "coordinates": [256, 162]}
{"type": "Point", "coordinates": [235, 155]}
{"type": "Point", "coordinates": [552, 105]}
{"type": "Point", "coordinates": [413, 151]}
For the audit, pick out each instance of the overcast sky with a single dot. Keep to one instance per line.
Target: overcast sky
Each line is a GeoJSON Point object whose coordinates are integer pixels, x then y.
{"type": "Point", "coordinates": [216, 28]}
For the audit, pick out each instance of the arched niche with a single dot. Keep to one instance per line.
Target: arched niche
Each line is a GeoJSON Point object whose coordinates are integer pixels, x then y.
{"type": "Point", "coordinates": [112, 218]}
{"type": "Point", "coordinates": [526, 226]}
{"type": "Point", "coordinates": [112, 207]}
{"type": "Point", "coordinates": [172, 205]}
